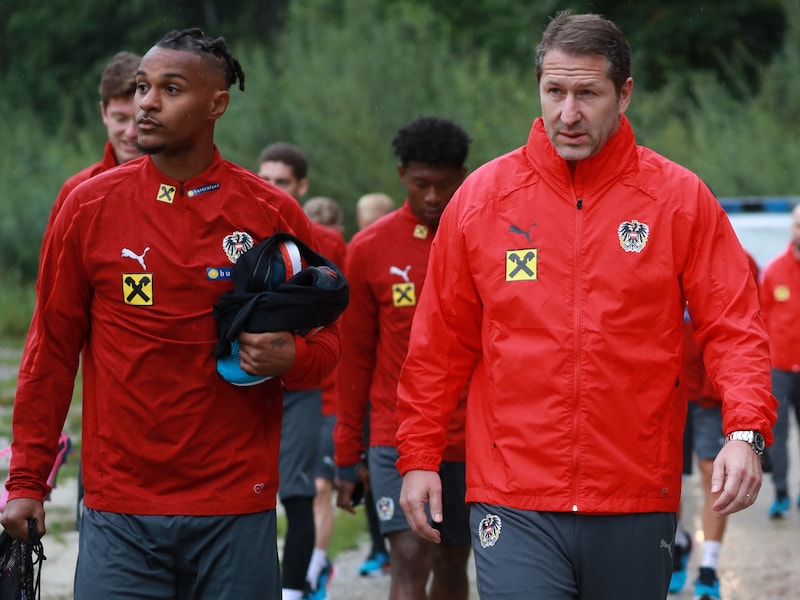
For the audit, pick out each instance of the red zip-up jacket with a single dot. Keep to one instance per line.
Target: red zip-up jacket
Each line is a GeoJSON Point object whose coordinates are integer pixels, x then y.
{"type": "Point", "coordinates": [562, 294]}
{"type": "Point", "coordinates": [780, 303]}
{"type": "Point", "coordinates": [386, 266]}
{"type": "Point", "coordinates": [133, 267]}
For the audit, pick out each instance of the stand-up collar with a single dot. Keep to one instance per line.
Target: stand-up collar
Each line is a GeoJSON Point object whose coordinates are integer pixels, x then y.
{"type": "Point", "coordinates": [615, 158]}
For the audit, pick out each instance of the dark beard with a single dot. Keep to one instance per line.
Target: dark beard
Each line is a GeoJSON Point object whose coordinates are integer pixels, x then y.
{"type": "Point", "coordinates": [152, 149]}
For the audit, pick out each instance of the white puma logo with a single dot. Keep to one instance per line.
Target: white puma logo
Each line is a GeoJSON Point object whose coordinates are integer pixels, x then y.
{"type": "Point", "coordinates": [664, 545]}
{"type": "Point", "coordinates": [137, 257]}
{"type": "Point", "coordinates": [401, 272]}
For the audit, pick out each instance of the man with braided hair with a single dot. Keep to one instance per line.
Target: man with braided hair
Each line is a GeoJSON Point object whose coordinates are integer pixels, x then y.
{"type": "Point", "coordinates": [180, 467]}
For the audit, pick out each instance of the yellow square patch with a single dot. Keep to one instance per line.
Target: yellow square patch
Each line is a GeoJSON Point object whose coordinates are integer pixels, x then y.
{"type": "Point", "coordinates": [404, 294]}
{"type": "Point", "coordinates": [137, 289]}
{"type": "Point", "coordinates": [421, 231]}
{"type": "Point", "coordinates": [522, 265]}
{"type": "Point", "coordinates": [166, 193]}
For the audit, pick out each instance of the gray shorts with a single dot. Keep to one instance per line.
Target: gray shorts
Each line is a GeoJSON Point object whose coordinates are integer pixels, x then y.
{"type": "Point", "coordinates": [182, 557]}
{"type": "Point", "coordinates": [708, 438]}
{"type": "Point", "coordinates": [387, 482]}
{"type": "Point", "coordinates": [326, 467]}
{"type": "Point", "coordinates": [302, 414]}
{"type": "Point", "coordinates": [561, 556]}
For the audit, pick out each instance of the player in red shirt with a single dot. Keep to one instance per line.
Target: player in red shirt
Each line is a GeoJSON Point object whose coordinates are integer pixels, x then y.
{"type": "Point", "coordinates": [387, 262]}
{"type": "Point", "coordinates": [180, 467]}
{"type": "Point", "coordinates": [305, 564]}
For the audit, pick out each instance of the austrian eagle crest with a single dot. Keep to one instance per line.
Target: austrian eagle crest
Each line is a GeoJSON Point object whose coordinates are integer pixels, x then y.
{"type": "Point", "coordinates": [633, 235]}
{"type": "Point", "coordinates": [236, 244]}
{"type": "Point", "coordinates": [489, 530]}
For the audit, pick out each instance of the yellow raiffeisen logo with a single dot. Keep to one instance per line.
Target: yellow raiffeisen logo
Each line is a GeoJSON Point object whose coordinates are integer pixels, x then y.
{"type": "Point", "coordinates": [782, 293]}
{"type": "Point", "coordinates": [166, 193]}
{"type": "Point", "coordinates": [137, 289]}
{"type": "Point", "coordinates": [404, 294]}
{"type": "Point", "coordinates": [522, 265]}
{"type": "Point", "coordinates": [421, 231]}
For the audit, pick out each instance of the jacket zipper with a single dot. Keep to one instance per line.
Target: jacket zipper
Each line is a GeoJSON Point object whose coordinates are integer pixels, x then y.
{"type": "Point", "coordinates": [576, 354]}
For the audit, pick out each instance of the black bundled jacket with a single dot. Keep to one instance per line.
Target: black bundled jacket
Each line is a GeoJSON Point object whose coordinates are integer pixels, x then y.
{"type": "Point", "coordinates": [261, 301]}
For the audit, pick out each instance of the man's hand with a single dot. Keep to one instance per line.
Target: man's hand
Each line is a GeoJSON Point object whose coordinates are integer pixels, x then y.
{"type": "Point", "coordinates": [421, 488]}
{"type": "Point", "coordinates": [344, 495]}
{"type": "Point", "coordinates": [16, 514]}
{"type": "Point", "coordinates": [736, 477]}
{"type": "Point", "coordinates": [266, 354]}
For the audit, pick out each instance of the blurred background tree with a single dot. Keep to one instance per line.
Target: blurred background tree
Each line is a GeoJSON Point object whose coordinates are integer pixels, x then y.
{"type": "Point", "coordinates": [715, 87]}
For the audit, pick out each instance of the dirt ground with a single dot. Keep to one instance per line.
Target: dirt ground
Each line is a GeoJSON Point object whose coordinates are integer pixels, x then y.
{"type": "Point", "coordinates": [760, 557]}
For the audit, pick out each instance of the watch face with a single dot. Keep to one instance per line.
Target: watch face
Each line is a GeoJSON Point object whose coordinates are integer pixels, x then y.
{"type": "Point", "coordinates": [758, 442]}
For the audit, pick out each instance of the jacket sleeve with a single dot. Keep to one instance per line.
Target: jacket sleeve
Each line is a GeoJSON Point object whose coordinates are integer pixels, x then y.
{"type": "Point", "coordinates": [722, 293]}
{"type": "Point", "coordinates": [50, 360]}
{"type": "Point", "coordinates": [354, 375]}
{"type": "Point", "coordinates": [444, 343]}
{"type": "Point", "coordinates": [315, 358]}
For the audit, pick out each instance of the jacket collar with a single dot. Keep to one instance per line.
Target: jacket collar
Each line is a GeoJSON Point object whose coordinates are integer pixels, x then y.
{"type": "Point", "coordinates": [617, 157]}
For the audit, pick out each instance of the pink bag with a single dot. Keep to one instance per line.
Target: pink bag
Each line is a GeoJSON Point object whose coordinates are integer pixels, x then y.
{"type": "Point", "coordinates": [64, 450]}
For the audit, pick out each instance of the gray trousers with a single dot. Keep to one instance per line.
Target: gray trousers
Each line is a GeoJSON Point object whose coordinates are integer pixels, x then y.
{"type": "Point", "coordinates": [530, 555]}
{"type": "Point", "coordinates": [145, 557]}
{"type": "Point", "coordinates": [786, 388]}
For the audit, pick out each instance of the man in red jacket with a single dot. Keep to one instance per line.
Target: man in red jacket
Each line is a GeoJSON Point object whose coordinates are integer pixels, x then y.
{"type": "Point", "coordinates": [180, 467]}
{"type": "Point", "coordinates": [305, 561]}
{"type": "Point", "coordinates": [386, 268]}
{"type": "Point", "coordinates": [556, 287]}
{"type": "Point", "coordinates": [117, 110]}
{"type": "Point", "coordinates": [117, 87]}
{"type": "Point", "coordinates": [780, 304]}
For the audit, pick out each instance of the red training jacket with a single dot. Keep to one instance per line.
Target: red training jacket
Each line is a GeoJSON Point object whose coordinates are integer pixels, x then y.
{"type": "Point", "coordinates": [562, 294]}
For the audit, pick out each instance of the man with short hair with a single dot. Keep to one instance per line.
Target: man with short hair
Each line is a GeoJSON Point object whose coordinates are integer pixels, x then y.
{"type": "Point", "coordinates": [371, 207]}
{"type": "Point", "coordinates": [117, 87]}
{"type": "Point", "coordinates": [556, 286]}
{"type": "Point", "coordinates": [386, 268]}
{"type": "Point", "coordinates": [780, 304]}
{"type": "Point", "coordinates": [325, 211]}
{"type": "Point", "coordinates": [306, 568]}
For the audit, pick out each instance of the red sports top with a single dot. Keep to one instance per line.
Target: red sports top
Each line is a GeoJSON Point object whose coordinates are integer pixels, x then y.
{"type": "Point", "coordinates": [333, 247]}
{"type": "Point", "coordinates": [561, 293]}
{"type": "Point", "coordinates": [780, 303]}
{"type": "Point", "coordinates": [109, 161]}
{"type": "Point", "coordinates": [386, 267]}
{"type": "Point", "coordinates": [133, 267]}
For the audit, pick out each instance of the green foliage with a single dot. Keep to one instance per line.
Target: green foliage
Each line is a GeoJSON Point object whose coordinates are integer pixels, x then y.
{"type": "Point", "coordinates": [341, 94]}
{"type": "Point", "coordinates": [58, 48]}
{"type": "Point", "coordinates": [345, 74]}
{"type": "Point", "coordinates": [16, 305]}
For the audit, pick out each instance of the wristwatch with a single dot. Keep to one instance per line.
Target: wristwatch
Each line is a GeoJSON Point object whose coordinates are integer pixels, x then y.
{"type": "Point", "coordinates": [754, 438]}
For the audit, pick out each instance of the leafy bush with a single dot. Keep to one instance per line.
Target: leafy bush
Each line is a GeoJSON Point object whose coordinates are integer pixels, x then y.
{"type": "Point", "coordinates": [342, 79]}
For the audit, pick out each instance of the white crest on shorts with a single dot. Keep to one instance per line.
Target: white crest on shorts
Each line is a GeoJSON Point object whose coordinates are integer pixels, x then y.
{"type": "Point", "coordinates": [385, 508]}
{"type": "Point", "coordinates": [489, 530]}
